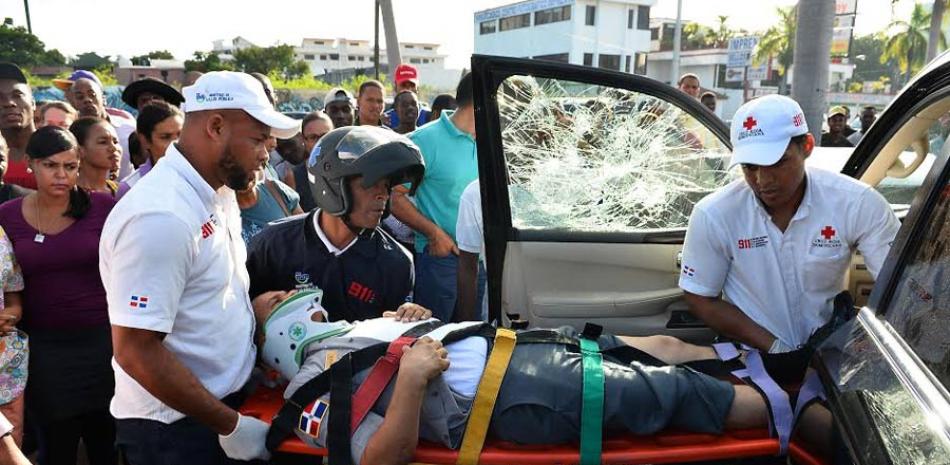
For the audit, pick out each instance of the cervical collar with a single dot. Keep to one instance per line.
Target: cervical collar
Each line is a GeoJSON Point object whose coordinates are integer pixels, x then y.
{"type": "Point", "coordinates": [289, 329]}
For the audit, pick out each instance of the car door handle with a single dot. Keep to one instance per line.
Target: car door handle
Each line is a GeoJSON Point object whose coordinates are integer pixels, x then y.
{"type": "Point", "coordinates": [679, 260]}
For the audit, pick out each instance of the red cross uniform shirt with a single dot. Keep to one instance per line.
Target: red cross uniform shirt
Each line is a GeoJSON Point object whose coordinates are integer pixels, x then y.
{"type": "Point", "coordinates": [785, 282]}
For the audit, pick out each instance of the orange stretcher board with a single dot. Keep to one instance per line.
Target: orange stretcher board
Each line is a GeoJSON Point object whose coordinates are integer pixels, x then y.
{"type": "Point", "coordinates": [664, 447]}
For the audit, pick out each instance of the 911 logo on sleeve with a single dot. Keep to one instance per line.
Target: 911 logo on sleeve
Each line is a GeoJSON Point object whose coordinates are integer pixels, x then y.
{"type": "Point", "coordinates": [753, 243]}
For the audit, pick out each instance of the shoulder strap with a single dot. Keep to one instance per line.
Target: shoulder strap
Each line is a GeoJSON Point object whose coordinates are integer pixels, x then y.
{"type": "Point", "coordinates": [271, 187]}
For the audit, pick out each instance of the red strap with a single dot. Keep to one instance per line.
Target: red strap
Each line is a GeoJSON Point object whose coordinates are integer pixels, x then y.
{"type": "Point", "coordinates": [379, 377]}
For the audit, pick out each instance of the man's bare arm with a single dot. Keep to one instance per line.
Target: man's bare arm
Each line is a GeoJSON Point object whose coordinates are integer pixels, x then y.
{"type": "Point", "coordinates": [396, 439]}
{"type": "Point", "coordinates": [467, 283]}
{"type": "Point", "coordinates": [142, 355]}
{"type": "Point", "coordinates": [728, 320]}
{"type": "Point", "coordinates": [440, 244]}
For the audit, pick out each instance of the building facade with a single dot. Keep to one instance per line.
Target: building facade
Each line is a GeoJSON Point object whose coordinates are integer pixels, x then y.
{"type": "Point", "coordinates": [611, 34]}
{"type": "Point", "coordinates": [341, 56]}
{"type": "Point", "coordinates": [325, 55]}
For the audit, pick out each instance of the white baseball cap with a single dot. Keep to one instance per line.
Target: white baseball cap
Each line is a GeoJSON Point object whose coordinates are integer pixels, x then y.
{"type": "Point", "coordinates": [762, 128]}
{"type": "Point", "coordinates": [229, 90]}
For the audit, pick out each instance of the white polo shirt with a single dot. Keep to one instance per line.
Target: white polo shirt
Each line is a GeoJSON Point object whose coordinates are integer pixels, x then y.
{"type": "Point", "coordinates": [785, 282]}
{"type": "Point", "coordinates": [172, 261]}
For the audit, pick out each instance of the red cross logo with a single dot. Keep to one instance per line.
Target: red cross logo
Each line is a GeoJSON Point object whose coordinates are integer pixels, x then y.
{"type": "Point", "coordinates": [749, 123]}
{"type": "Point", "coordinates": [828, 233]}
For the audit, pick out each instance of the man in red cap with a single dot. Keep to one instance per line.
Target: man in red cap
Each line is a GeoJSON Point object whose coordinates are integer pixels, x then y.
{"type": "Point", "coordinates": [406, 78]}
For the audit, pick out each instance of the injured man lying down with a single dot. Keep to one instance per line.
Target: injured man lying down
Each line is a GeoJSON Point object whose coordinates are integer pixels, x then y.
{"type": "Point", "coordinates": [427, 380]}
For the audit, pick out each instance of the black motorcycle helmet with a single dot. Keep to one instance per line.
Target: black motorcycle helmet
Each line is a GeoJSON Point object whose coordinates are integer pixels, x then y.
{"type": "Point", "coordinates": [368, 151]}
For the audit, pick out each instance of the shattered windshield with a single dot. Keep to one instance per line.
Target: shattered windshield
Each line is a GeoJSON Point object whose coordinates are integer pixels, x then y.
{"type": "Point", "coordinates": [595, 158]}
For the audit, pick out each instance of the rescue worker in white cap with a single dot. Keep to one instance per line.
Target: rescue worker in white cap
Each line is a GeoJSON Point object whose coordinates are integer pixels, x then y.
{"type": "Point", "coordinates": [172, 263]}
{"type": "Point", "coordinates": [765, 256]}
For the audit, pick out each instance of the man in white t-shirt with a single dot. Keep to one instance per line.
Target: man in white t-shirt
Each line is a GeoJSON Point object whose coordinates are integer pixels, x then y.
{"type": "Point", "coordinates": [172, 263]}
{"type": "Point", "coordinates": [765, 256]}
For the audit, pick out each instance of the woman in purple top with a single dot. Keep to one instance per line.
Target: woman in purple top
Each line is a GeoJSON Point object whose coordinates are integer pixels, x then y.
{"type": "Point", "coordinates": [158, 125]}
{"type": "Point", "coordinates": [55, 234]}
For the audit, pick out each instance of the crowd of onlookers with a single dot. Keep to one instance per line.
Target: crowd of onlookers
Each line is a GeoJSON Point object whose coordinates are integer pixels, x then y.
{"type": "Point", "coordinates": [64, 164]}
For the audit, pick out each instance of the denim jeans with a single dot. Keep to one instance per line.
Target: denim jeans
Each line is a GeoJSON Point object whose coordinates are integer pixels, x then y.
{"type": "Point", "coordinates": [437, 286]}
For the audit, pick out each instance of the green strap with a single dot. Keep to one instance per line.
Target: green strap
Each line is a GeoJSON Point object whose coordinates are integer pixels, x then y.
{"type": "Point", "coordinates": [592, 411]}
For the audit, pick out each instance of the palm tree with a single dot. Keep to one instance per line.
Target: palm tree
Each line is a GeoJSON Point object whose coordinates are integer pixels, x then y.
{"type": "Point", "coordinates": [723, 33]}
{"type": "Point", "coordinates": [779, 42]}
{"type": "Point", "coordinates": [908, 42]}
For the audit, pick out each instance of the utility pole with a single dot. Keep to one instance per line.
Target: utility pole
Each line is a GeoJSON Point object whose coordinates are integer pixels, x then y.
{"type": "Point", "coordinates": [677, 42]}
{"type": "Point", "coordinates": [376, 44]}
{"type": "Point", "coordinates": [29, 25]}
{"type": "Point", "coordinates": [392, 42]}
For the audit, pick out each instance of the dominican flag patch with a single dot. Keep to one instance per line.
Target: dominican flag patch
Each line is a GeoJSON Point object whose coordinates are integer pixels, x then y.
{"type": "Point", "coordinates": [138, 301]}
{"type": "Point", "coordinates": [311, 418]}
{"type": "Point", "coordinates": [689, 271]}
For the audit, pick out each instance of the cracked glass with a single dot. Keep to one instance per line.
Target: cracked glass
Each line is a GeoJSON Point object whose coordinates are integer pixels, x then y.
{"type": "Point", "coordinates": [591, 158]}
{"type": "Point", "coordinates": [906, 432]}
{"type": "Point", "coordinates": [920, 308]}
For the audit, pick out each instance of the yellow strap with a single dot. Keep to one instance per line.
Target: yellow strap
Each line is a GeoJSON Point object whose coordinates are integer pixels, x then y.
{"type": "Point", "coordinates": [484, 404]}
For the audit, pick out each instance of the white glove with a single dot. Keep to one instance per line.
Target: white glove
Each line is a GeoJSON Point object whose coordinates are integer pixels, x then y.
{"type": "Point", "coordinates": [779, 347]}
{"type": "Point", "coordinates": [247, 441]}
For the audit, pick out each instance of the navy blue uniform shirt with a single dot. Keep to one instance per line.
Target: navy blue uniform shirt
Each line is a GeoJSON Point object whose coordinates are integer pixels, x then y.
{"type": "Point", "coordinates": [372, 276]}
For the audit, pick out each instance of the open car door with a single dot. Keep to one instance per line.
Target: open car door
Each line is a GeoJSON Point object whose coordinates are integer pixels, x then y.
{"type": "Point", "coordinates": [887, 372]}
{"type": "Point", "coordinates": [588, 179]}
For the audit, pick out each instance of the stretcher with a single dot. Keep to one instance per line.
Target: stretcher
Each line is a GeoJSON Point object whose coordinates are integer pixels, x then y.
{"type": "Point", "coordinates": [665, 447]}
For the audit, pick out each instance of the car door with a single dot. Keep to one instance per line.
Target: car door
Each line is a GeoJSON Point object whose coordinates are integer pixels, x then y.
{"type": "Point", "coordinates": [588, 179]}
{"type": "Point", "coordinates": [887, 372]}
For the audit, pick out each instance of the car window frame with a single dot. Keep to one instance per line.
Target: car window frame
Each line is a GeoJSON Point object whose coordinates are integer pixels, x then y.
{"type": "Point", "coordinates": [489, 142]}
{"type": "Point", "coordinates": [920, 93]}
{"type": "Point", "coordinates": [488, 73]}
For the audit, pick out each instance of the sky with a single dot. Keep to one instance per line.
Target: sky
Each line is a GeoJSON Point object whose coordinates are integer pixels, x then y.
{"type": "Point", "coordinates": [134, 27]}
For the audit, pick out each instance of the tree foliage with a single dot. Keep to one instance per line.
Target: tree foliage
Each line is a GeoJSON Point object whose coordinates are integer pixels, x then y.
{"type": "Point", "coordinates": [25, 49]}
{"type": "Point", "coordinates": [91, 60]}
{"type": "Point", "coordinates": [778, 42]}
{"type": "Point", "coordinates": [207, 61]}
{"type": "Point", "coordinates": [144, 60]}
{"type": "Point", "coordinates": [279, 58]}
{"type": "Point", "coordinates": [866, 52]}
{"type": "Point", "coordinates": [907, 44]}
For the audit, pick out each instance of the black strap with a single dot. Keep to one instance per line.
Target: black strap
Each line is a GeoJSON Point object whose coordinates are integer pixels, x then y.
{"type": "Point", "coordinates": [625, 354]}
{"type": "Point", "coordinates": [592, 331]}
{"type": "Point", "coordinates": [338, 430]}
{"type": "Point", "coordinates": [423, 329]}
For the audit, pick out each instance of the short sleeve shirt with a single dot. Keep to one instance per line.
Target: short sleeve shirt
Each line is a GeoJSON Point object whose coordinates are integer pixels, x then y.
{"type": "Point", "coordinates": [267, 208]}
{"type": "Point", "coordinates": [451, 164]}
{"type": "Point", "coordinates": [172, 261]}
{"type": "Point", "coordinates": [468, 229]}
{"type": "Point", "coordinates": [371, 275]}
{"type": "Point", "coordinates": [785, 282]}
